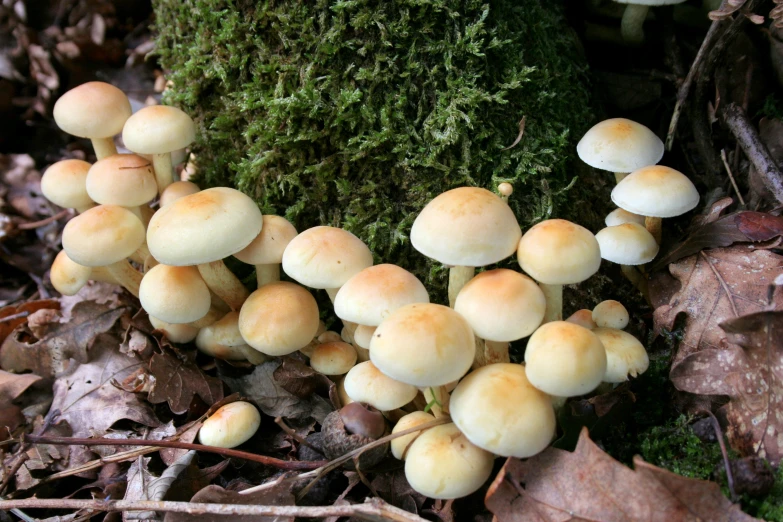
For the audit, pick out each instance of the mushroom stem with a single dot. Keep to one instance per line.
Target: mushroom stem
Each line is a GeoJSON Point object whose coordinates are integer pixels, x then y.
{"type": "Point", "coordinates": [224, 283]}
{"type": "Point", "coordinates": [161, 163]}
{"type": "Point", "coordinates": [438, 399]}
{"type": "Point", "coordinates": [619, 176]}
{"type": "Point", "coordinates": [554, 302]}
{"type": "Point", "coordinates": [632, 24]}
{"type": "Point", "coordinates": [104, 147]}
{"type": "Point", "coordinates": [332, 293]}
{"type": "Point", "coordinates": [458, 277]}
{"type": "Point", "coordinates": [84, 208]}
{"type": "Point", "coordinates": [266, 274]}
{"type": "Point", "coordinates": [636, 278]}
{"type": "Point", "coordinates": [654, 226]}
{"type": "Point", "coordinates": [126, 276]}
{"type": "Point", "coordinates": [100, 273]}
{"type": "Point", "coordinates": [496, 352]}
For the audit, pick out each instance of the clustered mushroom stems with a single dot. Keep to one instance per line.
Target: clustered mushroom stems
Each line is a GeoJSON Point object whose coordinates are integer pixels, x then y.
{"type": "Point", "coordinates": [654, 226]}
{"type": "Point", "coordinates": [458, 277]}
{"type": "Point", "coordinates": [224, 283]}
{"type": "Point", "coordinates": [127, 276]}
{"type": "Point", "coordinates": [554, 302]}
{"type": "Point", "coordinates": [619, 176]}
{"type": "Point", "coordinates": [104, 147]}
{"type": "Point", "coordinates": [437, 398]}
{"type": "Point", "coordinates": [266, 274]}
{"type": "Point", "coordinates": [636, 278]}
{"type": "Point", "coordinates": [632, 24]}
{"type": "Point", "coordinates": [164, 170]}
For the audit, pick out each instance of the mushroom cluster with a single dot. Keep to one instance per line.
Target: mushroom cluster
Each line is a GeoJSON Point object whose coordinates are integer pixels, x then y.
{"type": "Point", "coordinates": [397, 353]}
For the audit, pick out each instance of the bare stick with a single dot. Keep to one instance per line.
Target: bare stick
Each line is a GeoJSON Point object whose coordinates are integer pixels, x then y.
{"type": "Point", "coordinates": [731, 176]}
{"type": "Point", "coordinates": [726, 462]}
{"type": "Point", "coordinates": [269, 461]}
{"type": "Point", "coordinates": [749, 140]}
{"type": "Point", "coordinates": [43, 222]}
{"type": "Point", "coordinates": [373, 509]}
{"type": "Point", "coordinates": [14, 316]}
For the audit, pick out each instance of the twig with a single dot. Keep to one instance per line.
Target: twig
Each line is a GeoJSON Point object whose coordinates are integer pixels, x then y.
{"type": "Point", "coordinates": [37, 224]}
{"type": "Point", "coordinates": [520, 135]}
{"type": "Point", "coordinates": [294, 435]}
{"type": "Point", "coordinates": [11, 473]}
{"type": "Point", "coordinates": [757, 153]}
{"type": "Point", "coordinates": [731, 176]}
{"type": "Point", "coordinates": [14, 316]}
{"type": "Point", "coordinates": [262, 459]}
{"type": "Point", "coordinates": [726, 462]}
{"type": "Point", "coordinates": [373, 509]}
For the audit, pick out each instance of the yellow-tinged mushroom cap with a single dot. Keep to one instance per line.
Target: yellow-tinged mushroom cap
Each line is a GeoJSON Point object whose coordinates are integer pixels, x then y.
{"type": "Point", "coordinates": [103, 235]}
{"type": "Point", "coordinates": [65, 184]}
{"type": "Point", "coordinates": [92, 110]}
{"type": "Point", "coordinates": [558, 252]}
{"type": "Point", "coordinates": [230, 426]}
{"type": "Point", "coordinates": [625, 355]}
{"type": "Point", "coordinates": [656, 191]}
{"type": "Point", "coordinates": [158, 129]}
{"type": "Point", "coordinates": [620, 145]}
{"type": "Point", "coordinates": [267, 248]}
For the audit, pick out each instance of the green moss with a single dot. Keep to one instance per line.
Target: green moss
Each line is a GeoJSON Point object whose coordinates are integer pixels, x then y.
{"type": "Point", "coordinates": [355, 113]}
{"type": "Point", "coordinates": [769, 508]}
{"type": "Point", "coordinates": [675, 447]}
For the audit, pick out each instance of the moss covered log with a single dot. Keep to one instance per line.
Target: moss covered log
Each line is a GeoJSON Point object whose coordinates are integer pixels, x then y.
{"type": "Point", "coordinates": [356, 113]}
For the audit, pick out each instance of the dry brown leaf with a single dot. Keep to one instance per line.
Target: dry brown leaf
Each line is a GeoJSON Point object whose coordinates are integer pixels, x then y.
{"type": "Point", "coordinates": [277, 496]}
{"type": "Point", "coordinates": [716, 286]}
{"type": "Point", "coordinates": [139, 479]}
{"type": "Point", "coordinates": [748, 370]}
{"type": "Point", "coordinates": [178, 381]}
{"type": "Point", "coordinates": [13, 385]}
{"type": "Point", "coordinates": [6, 327]}
{"type": "Point", "coordinates": [588, 485]}
{"type": "Point", "coordinates": [60, 341]}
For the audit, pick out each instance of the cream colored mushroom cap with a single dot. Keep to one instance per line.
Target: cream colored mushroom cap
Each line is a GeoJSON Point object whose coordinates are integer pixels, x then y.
{"type": "Point", "coordinates": [565, 359]}
{"type": "Point", "coordinates": [267, 248]}
{"type": "Point", "coordinates": [627, 244]}
{"type": "Point", "coordinates": [501, 305]}
{"type": "Point", "coordinates": [202, 227]}
{"type": "Point", "coordinates": [158, 129]}
{"type": "Point", "coordinates": [279, 318]}
{"type": "Point", "coordinates": [365, 383]}
{"type": "Point", "coordinates": [176, 333]}
{"type": "Point", "coordinates": [558, 252]}
{"type": "Point", "coordinates": [625, 355]}
{"type": "Point", "coordinates": [443, 464]}
{"type": "Point", "coordinates": [423, 344]}
{"type": "Point", "coordinates": [175, 294]}
{"type": "Point", "coordinates": [177, 190]}
{"type": "Point", "coordinates": [466, 226]}
{"type": "Point", "coordinates": [619, 216]}
{"type": "Point", "coordinates": [620, 145]}
{"type": "Point", "coordinates": [335, 358]}
{"type": "Point", "coordinates": [584, 318]}
{"type": "Point", "coordinates": [230, 426]}
{"type": "Point", "coordinates": [610, 314]}
{"type": "Point", "coordinates": [65, 184]}
{"type": "Point", "coordinates": [67, 276]}
{"type": "Point", "coordinates": [399, 446]}
{"type": "Point", "coordinates": [122, 179]}
{"type": "Point", "coordinates": [656, 191]}
{"type": "Point", "coordinates": [498, 410]}
{"type": "Point", "coordinates": [103, 235]}
{"type": "Point", "coordinates": [221, 338]}
{"type": "Point", "coordinates": [325, 257]}
{"type": "Point", "coordinates": [373, 294]}
{"type": "Point", "coordinates": [92, 110]}
{"type": "Point", "coordinates": [363, 336]}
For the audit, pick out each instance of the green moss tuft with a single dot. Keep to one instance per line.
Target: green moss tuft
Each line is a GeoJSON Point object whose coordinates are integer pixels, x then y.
{"type": "Point", "coordinates": [355, 113]}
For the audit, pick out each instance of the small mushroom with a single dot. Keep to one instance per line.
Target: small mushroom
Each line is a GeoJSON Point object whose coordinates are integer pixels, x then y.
{"type": "Point", "coordinates": [620, 146]}
{"type": "Point", "coordinates": [175, 294]}
{"type": "Point", "coordinates": [334, 358]}
{"type": "Point", "coordinates": [266, 250]}
{"type": "Point", "coordinates": [629, 245]}
{"type": "Point", "coordinates": [610, 314]}
{"type": "Point", "coordinates": [625, 355]}
{"type": "Point", "coordinates": [366, 383]}
{"type": "Point", "coordinates": [583, 317]}
{"type": "Point", "coordinates": [230, 426]}
{"type": "Point", "coordinates": [176, 190]}
{"type": "Point", "coordinates": [65, 184]}
{"type": "Point", "coordinates": [619, 216]}
{"type": "Point", "coordinates": [399, 446]}
{"type": "Point", "coordinates": [122, 179]}
{"type": "Point", "coordinates": [68, 277]}
{"type": "Point", "coordinates": [176, 333]}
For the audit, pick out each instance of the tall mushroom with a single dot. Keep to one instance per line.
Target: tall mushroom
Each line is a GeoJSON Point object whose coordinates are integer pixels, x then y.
{"type": "Point", "coordinates": [65, 184]}
{"type": "Point", "coordinates": [620, 146]}
{"type": "Point", "coordinates": [266, 250]}
{"type": "Point", "coordinates": [632, 24]}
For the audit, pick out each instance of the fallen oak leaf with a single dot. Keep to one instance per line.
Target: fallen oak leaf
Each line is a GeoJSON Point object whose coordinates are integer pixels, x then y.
{"type": "Point", "coordinates": [588, 484]}
{"type": "Point", "coordinates": [178, 381]}
{"type": "Point", "coordinates": [22, 311]}
{"type": "Point", "coordinates": [748, 370]}
{"type": "Point", "coordinates": [12, 385]}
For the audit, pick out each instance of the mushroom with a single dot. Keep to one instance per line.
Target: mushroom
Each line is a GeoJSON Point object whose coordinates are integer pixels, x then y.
{"type": "Point", "coordinates": [498, 410]}
{"type": "Point", "coordinates": [632, 24]}
{"type": "Point", "coordinates": [443, 464]}
{"type": "Point", "coordinates": [362, 337]}
{"type": "Point", "coordinates": [629, 245]}
{"type": "Point", "coordinates": [159, 130]}
{"type": "Point", "coordinates": [94, 110]}
{"type": "Point", "coordinates": [266, 250]}
{"type": "Point", "coordinates": [625, 355]}
{"type": "Point", "coordinates": [501, 306]}
{"type": "Point", "coordinates": [223, 340]}
{"type": "Point", "coordinates": [584, 318]}
{"type": "Point", "coordinates": [279, 318]}
{"type": "Point", "coordinates": [177, 294]}
{"type": "Point", "coordinates": [176, 333]}
{"type": "Point", "coordinates": [366, 383]}
{"type": "Point", "coordinates": [557, 252]}
{"type": "Point", "coordinates": [65, 184]}
{"type": "Point", "coordinates": [656, 192]}
{"type": "Point", "coordinates": [122, 179]}
{"type": "Point", "coordinates": [230, 426]}
{"type": "Point", "coordinates": [610, 314]}
{"type": "Point", "coordinates": [464, 228]}
{"type": "Point", "coordinates": [105, 236]}
{"type": "Point", "coordinates": [399, 446]}
{"type": "Point", "coordinates": [176, 190]}
{"type": "Point", "coordinates": [505, 190]}
{"type": "Point", "coordinates": [329, 336]}
{"type": "Point", "coordinates": [68, 277]}
{"type": "Point", "coordinates": [334, 358]}
{"type": "Point", "coordinates": [619, 216]}
{"type": "Point", "coordinates": [202, 229]}
{"type": "Point", "coordinates": [620, 146]}
{"type": "Point", "coordinates": [564, 359]}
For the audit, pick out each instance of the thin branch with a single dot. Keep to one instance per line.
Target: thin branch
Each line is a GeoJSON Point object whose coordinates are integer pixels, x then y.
{"type": "Point", "coordinates": [14, 316]}
{"type": "Point", "coordinates": [372, 510]}
{"type": "Point", "coordinates": [731, 176]}
{"type": "Point", "coordinates": [726, 462]}
{"type": "Point", "coordinates": [262, 459]}
{"type": "Point", "coordinates": [43, 222]}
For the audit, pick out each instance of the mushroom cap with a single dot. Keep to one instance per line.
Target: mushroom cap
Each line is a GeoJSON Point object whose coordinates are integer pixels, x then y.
{"type": "Point", "coordinates": [158, 129]}
{"type": "Point", "coordinates": [558, 252]}
{"type": "Point", "coordinates": [365, 383]}
{"type": "Point", "coordinates": [656, 191]}
{"type": "Point", "coordinates": [335, 358]}
{"type": "Point", "coordinates": [221, 338]}
{"type": "Point", "coordinates": [565, 359]}
{"type": "Point", "coordinates": [399, 446]}
{"type": "Point", "coordinates": [127, 180]}
{"type": "Point", "coordinates": [620, 145]}
{"type": "Point", "coordinates": [230, 426]}
{"type": "Point", "coordinates": [625, 355]}
{"type": "Point", "coordinates": [619, 216]}
{"type": "Point", "coordinates": [466, 226]}
{"type": "Point", "coordinates": [373, 294]}
{"type": "Point", "coordinates": [92, 110]}
{"type": "Point", "coordinates": [498, 410]}
{"type": "Point", "coordinates": [627, 244]}
{"type": "Point", "coordinates": [176, 333]}
{"type": "Point", "coordinates": [279, 318]}
{"type": "Point", "coordinates": [325, 257]}
{"type": "Point", "coordinates": [423, 344]}
{"type": "Point", "coordinates": [501, 305]}
{"type": "Point", "coordinates": [203, 227]}
{"type": "Point", "coordinates": [610, 314]}
{"type": "Point", "coordinates": [362, 336]}
{"type": "Point", "coordinates": [584, 318]}
{"type": "Point", "coordinates": [267, 247]}
{"type": "Point", "coordinates": [175, 294]}
{"type": "Point", "coordinates": [67, 276]}
{"type": "Point", "coordinates": [442, 463]}
{"type": "Point", "coordinates": [65, 184]}
{"type": "Point", "coordinates": [177, 190]}
{"type": "Point", "coordinates": [103, 235]}
{"type": "Point", "coordinates": [329, 336]}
